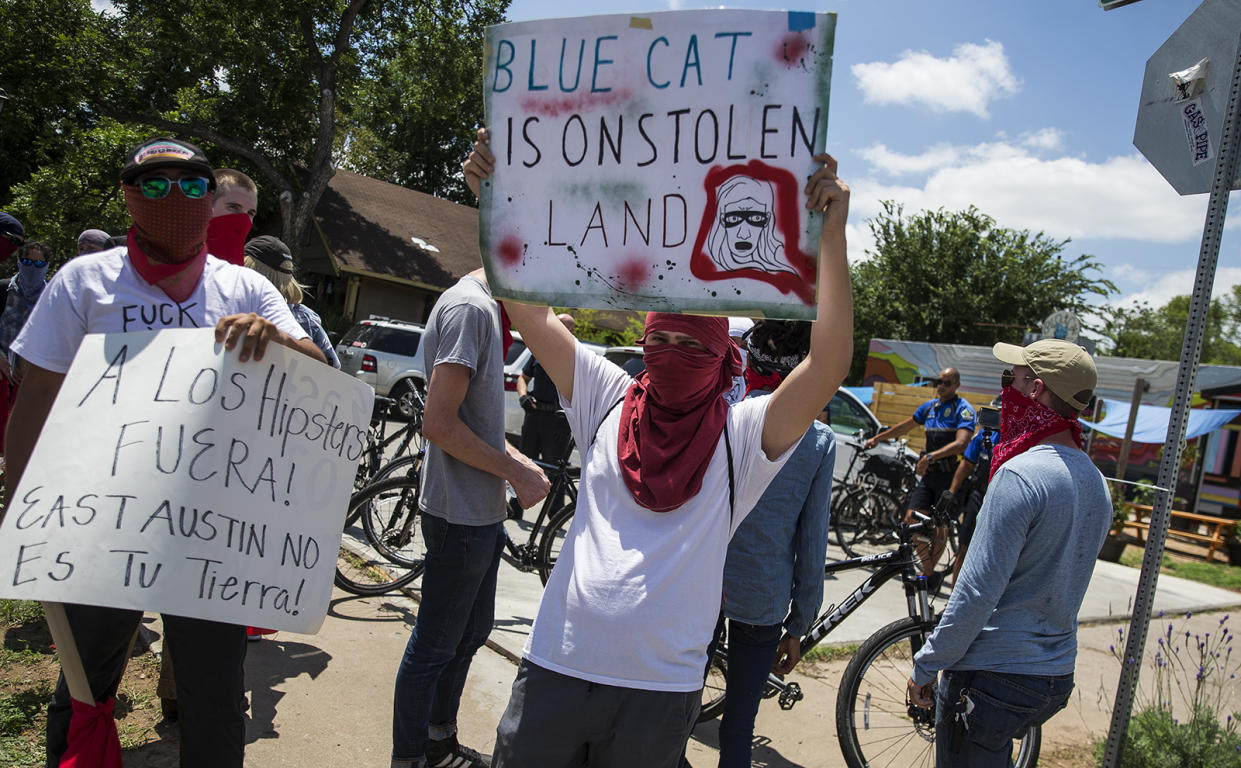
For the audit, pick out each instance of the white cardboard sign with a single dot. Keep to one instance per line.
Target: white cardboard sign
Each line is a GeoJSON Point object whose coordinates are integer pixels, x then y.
{"type": "Point", "coordinates": [172, 477]}
{"type": "Point", "coordinates": [657, 162]}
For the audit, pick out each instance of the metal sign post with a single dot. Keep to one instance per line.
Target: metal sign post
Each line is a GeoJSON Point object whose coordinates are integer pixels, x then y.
{"type": "Point", "coordinates": [1135, 644]}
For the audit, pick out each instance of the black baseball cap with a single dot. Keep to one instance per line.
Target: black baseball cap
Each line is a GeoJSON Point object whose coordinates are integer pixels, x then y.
{"type": "Point", "coordinates": [165, 152]}
{"type": "Point", "coordinates": [270, 251]}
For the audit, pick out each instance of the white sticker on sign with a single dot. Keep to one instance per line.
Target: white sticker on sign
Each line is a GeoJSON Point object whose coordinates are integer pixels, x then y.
{"type": "Point", "coordinates": [1196, 132]}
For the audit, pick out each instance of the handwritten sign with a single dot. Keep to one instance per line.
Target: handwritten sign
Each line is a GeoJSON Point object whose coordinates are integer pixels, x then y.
{"type": "Point", "coordinates": [657, 162]}
{"type": "Point", "coordinates": [172, 477]}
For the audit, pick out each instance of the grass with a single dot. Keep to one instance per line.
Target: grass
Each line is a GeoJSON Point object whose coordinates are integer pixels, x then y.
{"type": "Point", "coordinates": [1219, 575]}
{"type": "Point", "coordinates": [828, 653]}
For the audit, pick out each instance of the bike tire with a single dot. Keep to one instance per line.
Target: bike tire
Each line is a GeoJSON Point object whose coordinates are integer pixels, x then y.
{"type": "Point", "coordinates": [360, 569]}
{"type": "Point", "coordinates": [714, 688]}
{"type": "Point", "coordinates": [390, 520]}
{"type": "Point", "coordinates": [874, 724]}
{"type": "Point", "coordinates": [404, 466]}
{"type": "Point", "coordinates": [552, 540]}
{"type": "Point", "coordinates": [868, 523]}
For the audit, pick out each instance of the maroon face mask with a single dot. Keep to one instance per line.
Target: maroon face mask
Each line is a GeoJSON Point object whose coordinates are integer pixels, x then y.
{"type": "Point", "coordinates": [166, 243]}
{"type": "Point", "coordinates": [226, 237]}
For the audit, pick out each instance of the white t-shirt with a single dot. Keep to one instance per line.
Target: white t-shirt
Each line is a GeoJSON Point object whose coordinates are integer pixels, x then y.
{"type": "Point", "coordinates": [102, 293]}
{"type": "Point", "coordinates": [635, 594]}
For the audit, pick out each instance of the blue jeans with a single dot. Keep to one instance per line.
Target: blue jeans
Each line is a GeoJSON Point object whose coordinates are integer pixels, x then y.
{"type": "Point", "coordinates": [751, 652]}
{"type": "Point", "coordinates": [1005, 705]}
{"type": "Point", "coordinates": [454, 619]}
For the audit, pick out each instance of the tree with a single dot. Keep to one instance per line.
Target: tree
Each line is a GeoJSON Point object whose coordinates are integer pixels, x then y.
{"type": "Point", "coordinates": [1158, 333]}
{"type": "Point", "coordinates": [269, 87]}
{"type": "Point", "coordinates": [959, 278]}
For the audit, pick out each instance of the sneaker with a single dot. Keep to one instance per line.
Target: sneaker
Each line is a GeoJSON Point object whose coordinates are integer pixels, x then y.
{"type": "Point", "coordinates": [447, 753]}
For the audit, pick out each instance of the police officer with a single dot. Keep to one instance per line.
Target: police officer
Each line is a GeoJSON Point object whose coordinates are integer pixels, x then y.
{"type": "Point", "coordinates": [969, 482]}
{"type": "Point", "coordinates": [949, 423]}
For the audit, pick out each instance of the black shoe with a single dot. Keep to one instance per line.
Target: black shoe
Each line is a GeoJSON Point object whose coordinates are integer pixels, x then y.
{"type": "Point", "coordinates": [447, 753]}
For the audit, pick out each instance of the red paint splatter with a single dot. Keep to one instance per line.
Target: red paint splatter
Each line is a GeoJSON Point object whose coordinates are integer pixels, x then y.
{"type": "Point", "coordinates": [509, 251]}
{"type": "Point", "coordinates": [555, 106]}
{"type": "Point", "coordinates": [634, 274]}
{"type": "Point", "coordinates": [792, 49]}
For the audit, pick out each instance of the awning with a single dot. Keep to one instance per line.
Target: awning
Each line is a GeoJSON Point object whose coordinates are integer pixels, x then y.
{"type": "Point", "coordinates": [1152, 422]}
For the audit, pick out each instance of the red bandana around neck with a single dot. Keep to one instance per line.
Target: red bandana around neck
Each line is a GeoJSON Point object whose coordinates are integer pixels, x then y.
{"type": "Point", "coordinates": [755, 380]}
{"type": "Point", "coordinates": [674, 412]}
{"type": "Point", "coordinates": [177, 281]}
{"type": "Point", "coordinates": [1024, 423]}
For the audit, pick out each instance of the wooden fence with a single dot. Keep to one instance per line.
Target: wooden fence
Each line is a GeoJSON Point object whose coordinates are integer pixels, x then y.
{"type": "Point", "coordinates": [893, 403]}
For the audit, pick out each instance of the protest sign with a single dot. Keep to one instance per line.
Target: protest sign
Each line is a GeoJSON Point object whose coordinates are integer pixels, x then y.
{"type": "Point", "coordinates": [656, 162]}
{"type": "Point", "coordinates": [171, 477]}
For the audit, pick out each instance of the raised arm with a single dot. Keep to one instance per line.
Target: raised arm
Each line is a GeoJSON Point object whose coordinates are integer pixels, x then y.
{"type": "Point", "coordinates": [549, 341]}
{"type": "Point", "coordinates": [810, 385]}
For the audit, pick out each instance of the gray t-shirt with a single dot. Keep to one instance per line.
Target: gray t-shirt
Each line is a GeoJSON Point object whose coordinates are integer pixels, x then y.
{"type": "Point", "coordinates": [465, 329]}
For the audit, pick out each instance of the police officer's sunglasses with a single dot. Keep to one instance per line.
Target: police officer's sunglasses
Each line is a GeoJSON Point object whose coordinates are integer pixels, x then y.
{"type": "Point", "coordinates": [157, 187]}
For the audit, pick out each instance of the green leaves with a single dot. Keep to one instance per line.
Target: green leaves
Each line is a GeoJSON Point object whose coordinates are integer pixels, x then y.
{"type": "Point", "coordinates": [957, 277]}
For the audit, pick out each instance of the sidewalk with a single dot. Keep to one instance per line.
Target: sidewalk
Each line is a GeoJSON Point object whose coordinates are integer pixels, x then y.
{"type": "Point", "coordinates": [325, 699]}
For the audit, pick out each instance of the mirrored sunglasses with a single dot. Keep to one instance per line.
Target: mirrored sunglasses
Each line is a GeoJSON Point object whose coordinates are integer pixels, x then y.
{"type": "Point", "coordinates": [32, 262]}
{"type": "Point", "coordinates": [156, 187]}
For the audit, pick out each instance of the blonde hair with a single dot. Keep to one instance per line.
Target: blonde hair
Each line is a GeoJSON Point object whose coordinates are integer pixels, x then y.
{"type": "Point", "coordinates": [231, 177]}
{"type": "Point", "coordinates": [290, 289]}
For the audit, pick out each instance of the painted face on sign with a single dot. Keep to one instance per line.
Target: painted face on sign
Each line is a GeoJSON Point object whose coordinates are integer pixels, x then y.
{"type": "Point", "coordinates": [744, 232]}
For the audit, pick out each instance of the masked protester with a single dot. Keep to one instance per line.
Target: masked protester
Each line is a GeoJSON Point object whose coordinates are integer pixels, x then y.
{"type": "Point", "coordinates": [22, 292]}
{"type": "Point", "coordinates": [12, 235]}
{"type": "Point", "coordinates": [669, 471]}
{"type": "Point", "coordinates": [1007, 642]}
{"type": "Point", "coordinates": [162, 277]}
{"type": "Point", "coordinates": [233, 209]}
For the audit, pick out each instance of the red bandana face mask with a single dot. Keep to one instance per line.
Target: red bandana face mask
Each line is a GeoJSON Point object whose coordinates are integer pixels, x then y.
{"type": "Point", "coordinates": [1024, 423]}
{"type": "Point", "coordinates": [226, 237]}
{"type": "Point", "coordinates": [167, 241]}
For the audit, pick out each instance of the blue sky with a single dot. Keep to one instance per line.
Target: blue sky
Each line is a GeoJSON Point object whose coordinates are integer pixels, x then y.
{"type": "Point", "coordinates": [1024, 109]}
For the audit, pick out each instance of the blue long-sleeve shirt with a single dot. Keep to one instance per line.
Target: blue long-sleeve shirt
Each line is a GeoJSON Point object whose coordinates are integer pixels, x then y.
{"type": "Point", "coordinates": [774, 570]}
{"type": "Point", "coordinates": [1014, 609]}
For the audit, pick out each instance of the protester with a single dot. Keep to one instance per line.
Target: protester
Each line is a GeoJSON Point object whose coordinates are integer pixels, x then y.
{"type": "Point", "coordinates": [612, 671]}
{"type": "Point", "coordinates": [92, 240]}
{"type": "Point", "coordinates": [949, 422]}
{"type": "Point", "coordinates": [232, 214]}
{"type": "Point", "coordinates": [22, 292]}
{"type": "Point", "coordinates": [737, 329]}
{"type": "Point", "coordinates": [969, 482]}
{"type": "Point", "coordinates": [167, 185]}
{"type": "Point", "coordinates": [270, 257]}
{"type": "Point", "coordinates": [462, 506]}
{"type": "Point", "coordinates": [544, 430]}
{"type": "Point", "coordinates": [773, 577]}
{"type": "Point", "coordinates": [12, 235]}
{"type": "Point", "coordinates": [1007, 641]}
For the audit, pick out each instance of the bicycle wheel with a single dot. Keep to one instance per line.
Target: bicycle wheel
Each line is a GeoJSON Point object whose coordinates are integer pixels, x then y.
{"type": "Point", "coordinates": [359, 568]}
{"type": "Point", "coordinates": [405, 466]}
{"type": "Point", "coordinates": [390, 520]}
{"type": "Point", "coordinates": [714, 688]}
{"type": "Point", "coordinates": [875, 724]}
{"type": "Point", "coordinates": [553, 539]}
{"type": "Point", "coordinates": [867, 523]}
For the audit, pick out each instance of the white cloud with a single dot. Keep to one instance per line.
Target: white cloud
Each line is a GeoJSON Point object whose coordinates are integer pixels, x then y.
{"type": "Point", "coordinates": [1158, 288]}
{"type": "Point", "coordinates": [1122, 197]}
{"type": "Point", "coordinates": [1045, 138]}
{"type": "Point", "coordinates": [966, 81]}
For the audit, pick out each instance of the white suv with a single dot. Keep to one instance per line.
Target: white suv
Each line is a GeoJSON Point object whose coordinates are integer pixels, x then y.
{"type": "Point", "coordinates": [384, 353]}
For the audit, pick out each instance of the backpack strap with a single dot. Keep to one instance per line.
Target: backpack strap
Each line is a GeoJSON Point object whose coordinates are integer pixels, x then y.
{"type": "Point", "coordinates": [606, 414]}
{"type": "Point", "coordinates": [732, 490]}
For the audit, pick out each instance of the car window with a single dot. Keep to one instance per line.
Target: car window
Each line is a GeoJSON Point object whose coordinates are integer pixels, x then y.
{"type": "Point", "coordinates": [848, 418]}
{"type": "Point", "coordinates": [396, 341]}
{"type": "Point", "coordinates": [514, 352]}
{"type": "Point", "coordinates": [631, 362]}
{"type": "Point", "coordinates": [358, 336]}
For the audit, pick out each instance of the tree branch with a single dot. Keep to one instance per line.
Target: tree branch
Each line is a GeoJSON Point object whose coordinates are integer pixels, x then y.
{"type": "Point", "coordinates": [199, 131]}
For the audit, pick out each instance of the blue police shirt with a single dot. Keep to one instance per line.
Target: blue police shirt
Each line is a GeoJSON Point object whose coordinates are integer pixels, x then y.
{"type": "Point", "coordinates": [942, 420]}
{"type": "Point", "coordinates": [974, 451]}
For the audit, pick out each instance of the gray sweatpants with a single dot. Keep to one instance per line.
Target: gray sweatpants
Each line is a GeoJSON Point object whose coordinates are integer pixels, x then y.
{"type": "Point", "coordinates": [556, 721]}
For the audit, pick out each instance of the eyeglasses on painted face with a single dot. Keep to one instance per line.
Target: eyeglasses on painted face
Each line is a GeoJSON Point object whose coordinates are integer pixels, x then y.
{"type": "Point", "coordinates": [157, 187]}
{"type": "Point", "coordinates": [757, 219]}
{"type": "Point", "coordinates": [32, 262]}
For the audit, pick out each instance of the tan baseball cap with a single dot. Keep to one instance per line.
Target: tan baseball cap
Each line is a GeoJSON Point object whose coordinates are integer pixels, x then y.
{"type": "Point", "coordinates": [1065, 368]}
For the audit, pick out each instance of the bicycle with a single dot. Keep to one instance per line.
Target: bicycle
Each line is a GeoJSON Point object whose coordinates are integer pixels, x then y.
{"type": "Point", "coordinates": [867, 509]}
{"type": "Point", "coordinates": [364, 566]}
{"type": "Point", "coordinates": [378, 443]}
{"type": "Point", "coordinates": [557, 509]}
{"type": "Point", "coordinates": [875, 722]}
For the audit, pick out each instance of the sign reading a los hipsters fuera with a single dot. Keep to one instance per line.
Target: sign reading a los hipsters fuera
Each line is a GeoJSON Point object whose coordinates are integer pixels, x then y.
{"type": "Point", "coordinates": [171, 477]}
{"type": "Point", "coordinates": [657, 162]}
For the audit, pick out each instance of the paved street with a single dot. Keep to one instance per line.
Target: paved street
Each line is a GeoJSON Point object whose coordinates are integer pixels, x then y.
{"type": "Point", "coordinates": [326, 699]}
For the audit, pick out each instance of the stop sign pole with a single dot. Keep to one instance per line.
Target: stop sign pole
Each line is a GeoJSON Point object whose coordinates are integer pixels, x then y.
{"type": "Point", "coordinates": [1208, 256]}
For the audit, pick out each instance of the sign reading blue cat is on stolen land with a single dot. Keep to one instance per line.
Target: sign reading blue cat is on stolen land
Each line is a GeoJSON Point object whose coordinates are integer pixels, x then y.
{"type": "Point", "coordinates": [657, 162]}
